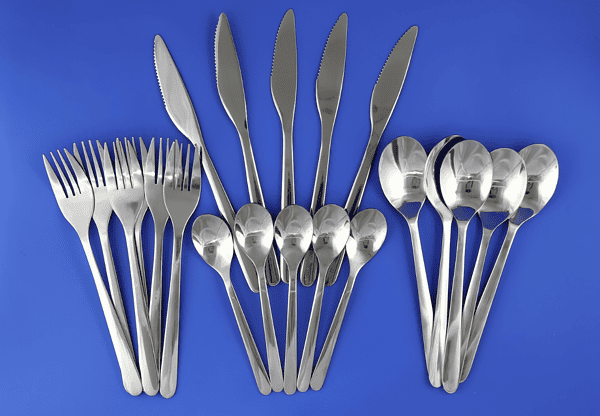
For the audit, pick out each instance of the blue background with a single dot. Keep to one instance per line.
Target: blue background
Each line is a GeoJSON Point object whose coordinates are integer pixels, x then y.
{"type": "Point", "coordinates": [508, 74]}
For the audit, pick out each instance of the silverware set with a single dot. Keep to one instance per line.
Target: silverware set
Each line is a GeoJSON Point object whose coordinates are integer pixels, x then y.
{"type": "Point", "coordinates": [461, 179]}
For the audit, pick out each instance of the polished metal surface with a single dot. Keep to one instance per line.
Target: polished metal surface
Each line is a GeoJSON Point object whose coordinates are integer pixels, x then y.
{"type": "Point", "coordinates": [331, 229]}
{"type": "Point", "coordinates": [75, 199]}
{"type": "Point", "coordinates": [254, 232]}
{"type": "Point", "coordinates": [284, 80]}
{"type": "Point", "coordinates": [440, 317]}
{"type": "Point", "coordinates": [181, 111]}
{"type": "Point", "coordinates": [383, 101]}
{"type": "Point", "coordinates": [181, 194]}
{"type": "Point", "coordinates": [212, 239]}
{"type": "Point", "coordinates": [153, 189]}
{"type": "Point", "coordinates": [231, 92]}
{"type": "Point", "coordinates": [368, 230]}
{"type": "Point", "coordinates": [137, 231]}
{"type": "Point", "coordinates": [465, 181]}
{"type": "Point", "coordinates": [508, 188]}
{"type": "Point", "coordinates": [293, 234]}
{"type": "Point", "coordinates": [102, 213]}
{"type": "Point", "coordinates": [329, 91]}
{"type": "Point", "coordinates": [542, 177]}
{"type": "Point", "coordinates": [402, 177]}
{"type": "Point", "coordinates": [126, 192]}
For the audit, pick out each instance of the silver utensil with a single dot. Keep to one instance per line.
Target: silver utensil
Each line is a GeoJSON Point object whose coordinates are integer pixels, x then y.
{"type": "Point", "coordinates": [254, 232]}
{"type": "Point", "coordinates": [140, 220]}
{"type": "Point", "coordinates": [465, 181]}
{"type": "Point", "coordinates": [75, 199]}
{"type": "Point", "coordinates": [542, 178]}
{"type": "Point", "coordinates": [284, 80]}
{"type": "Point", "coordinates": [102, 213]}
{"type": "Point", "coordinates": [231, 92]}
{"type": "Point", "coordinates": [440, 317]}
{"type": "Point", "coordinates": [328, 91]}
{"type": "Point", "coordinates": [331, 229]}
{"type": "Point", "coordinates": [214, 243]}
{"type": "Point", "coordinates": [181, 194]}
{"type": "Point", "coordinates": [367, 233]}
{"type": "Point", "coordinates": [181, 111]}
{"type": "Point", "coordinates": [402, 177]}
{"type": "Point", "coordinates": [293, 234]}
{"type": "Point", "coordinates": [508, 188]}
{"type": "Point", "coordinates": [383, 101]}
{"type": "Point", "coordinates": [153, 189]}
{"type": "Point", "coordinates": [126, 192]}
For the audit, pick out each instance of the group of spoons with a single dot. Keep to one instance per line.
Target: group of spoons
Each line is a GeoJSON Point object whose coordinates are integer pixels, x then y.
{"type": "Point", "coordinates": [461, 179]}
{"type": "Point", "coordinates": [330, 231]}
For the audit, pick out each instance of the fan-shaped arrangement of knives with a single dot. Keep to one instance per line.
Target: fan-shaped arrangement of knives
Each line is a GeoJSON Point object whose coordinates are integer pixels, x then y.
{"type": "Point", "coordinates": [459, 177]}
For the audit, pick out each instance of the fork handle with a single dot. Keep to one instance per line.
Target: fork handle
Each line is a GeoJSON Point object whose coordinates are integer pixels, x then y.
{"type": "Point", "coordinates": [170, 355]}
{"type": "Point", "coordinates": [125, 357]}
{"type": "Point", "coordinates": [156, 291]}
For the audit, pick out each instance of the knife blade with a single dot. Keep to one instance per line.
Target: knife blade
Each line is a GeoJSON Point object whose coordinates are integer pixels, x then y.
{"type": "Point", "coordinates": [383, 101]}
{"type": "Point", "coordinates": [231, 92]}
{"type": "Point", "coordinates": [284, 83]}
{"type": "Point", "coordinates": [328, 91]}
{"type": "Point", "coordinates": [181, 111]}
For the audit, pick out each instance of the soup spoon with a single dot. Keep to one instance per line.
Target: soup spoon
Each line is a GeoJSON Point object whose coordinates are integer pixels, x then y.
{"type": "Point", "coordinates": [213, 242]}
{"type": "Point", "coordinates": [401, 173]}
{"type": "Point", "coordinates": [367, 233]}
{"type": "Point", "coordinates": [331, 229]}
{"type": "Point", "coordinates": [542, 177]}
{"type": "Point", "coordinates": [254, 233]}
{"type": "Point", "coordinates": [293, 233]}
{"type": "Point", "coordinates": [465, 179]}
{"type": "Point", "coordinates": [440, 318]}
{"type": "Point", "coordinates": [509, 180]}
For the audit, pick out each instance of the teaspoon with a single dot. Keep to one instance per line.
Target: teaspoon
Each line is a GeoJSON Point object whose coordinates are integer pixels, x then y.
{"type": "Point", "coordinates": [367, 233]}
{"type": "Point", "coordinates": [293, 233]}
{"type": "Point", "coordinates": [465, 179]}
{"type": "Point", "coordinates": [254, 233]}
{"type": "Point", "coordinates": [509, 180]}
{"type": "Point", "coordinates": [542, 178]}
{"type": "Point", "coordinates": [213, 242]}
{"type": "Point", "coordinates": [331, 229]}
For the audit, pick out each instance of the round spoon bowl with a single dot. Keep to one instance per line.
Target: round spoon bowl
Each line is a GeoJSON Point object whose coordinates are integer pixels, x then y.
{"type": "Point", "coordinates": [254, 231]}
{"type": "Point", "coordinates": [401, 174]}
{"type": "Point", "coordinates": [293, 233]}
{"type": "Point", "coordinates": [331, 229]}
{"type": "Point", "coordinates": [368, 230]}
{"type": "Point", "coordinates": [212, 239]}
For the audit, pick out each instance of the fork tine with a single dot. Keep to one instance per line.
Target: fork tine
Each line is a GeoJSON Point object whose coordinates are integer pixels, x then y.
{"type": "Point", "coordinates": [186, 171]}
{"type": "Point", "coordinates": [197, 169]}
{"type": "Point", "coordinates": [124, 163]}
{"type": "Point", "coordinates": [178, 167]}
{"type": "Point", "coordinates": [91, 173]}
{"type": "Point", "coordinates": [170, 167]}
{"type": "Point", "coordinates": [149, 165]}
{"type": "Point", "coordinates": [160, 173]}
{"type": "Point", "coordinates": [57, 187]}
{"type": "Point", "coordinates": [135, 170]}
{"type": "Point", "coordinates": [82, 180]}
{"type": "Point", "coordinates": [143, 153]}
{"type": "Point", "coordinates": [99, 177]}
{"type": "Point", "coordinates": [118, 170]}
{"type": "Point", "coordinates": [74, 183]}
{"type": "Point", "coordinates": [76, 154]}
{"type": "Point", "coordinates": [109, 173]}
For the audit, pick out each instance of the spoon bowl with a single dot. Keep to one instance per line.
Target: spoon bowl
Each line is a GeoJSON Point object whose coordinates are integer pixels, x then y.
{"type": "Point", "coordinates": [254, 232]}
{"type": "Point", "coordinates": [212, 239]}
{"type": "Point", "coordinates": [293, 234]}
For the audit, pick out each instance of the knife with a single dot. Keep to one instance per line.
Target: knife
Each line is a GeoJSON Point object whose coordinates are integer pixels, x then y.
{"type": "Point", "coordinates": [179, 107]}
{"type": "Point", "coordinates": [329, 89]}
{"type": "Point", "coordinates": [383, 101]}
{"type": "Point", "coordinates": [284, 83]}
{"type": "Point", "coordinates": [231, 92]}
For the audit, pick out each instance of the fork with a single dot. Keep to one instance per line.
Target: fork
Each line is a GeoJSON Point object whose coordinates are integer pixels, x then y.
{"type": "Point", "coordinates": [126, 192]}
{"type": "Point", "coordinates": [140, 219]}
{"type": "Point", "coordinates": [75, 199]}
{"type": "Point", "coordinates": [181, 198]}
{"type": "Point", "coordinates": [102, 213]}
{"type": "Point", "coordinates": [153, 187]}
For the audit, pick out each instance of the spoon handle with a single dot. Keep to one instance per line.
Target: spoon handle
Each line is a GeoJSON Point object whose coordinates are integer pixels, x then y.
{"type": "Point", "coordinates": [425, 306]}
{"type": "Point", "coordinates": [270, 339]}
{"type": "Point", "coordinates": [308, 353]}
{"type": "Point", "coordinates": [290, 372]}
{"type": "Point", "coordinates": [440, 318]}
{"type": "Point", "coordinates": [288, 192]}
{"type": "Point", "coordinates": [258, 368]}
{"type": "Point", "coordinates": [473, 292]}
{"type": "Point", "coordinates": [318, 376]}
{"type": "Point", "coordinates": [485, 304]}
{"type": "Point", "coordinates": [451, 369]}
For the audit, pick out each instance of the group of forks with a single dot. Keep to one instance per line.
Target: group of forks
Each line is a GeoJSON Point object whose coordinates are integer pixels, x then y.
{"type": "Point", "coordinates": [86, 191]}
